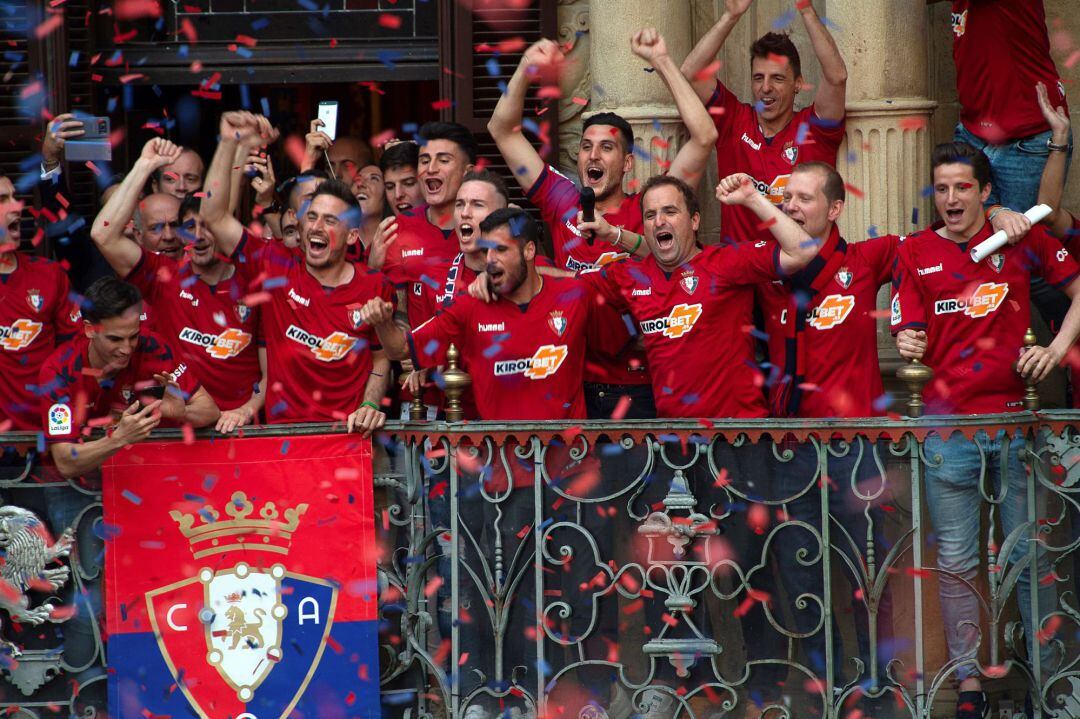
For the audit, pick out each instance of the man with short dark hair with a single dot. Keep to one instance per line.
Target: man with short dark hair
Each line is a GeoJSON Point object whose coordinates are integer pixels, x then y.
{"type": "Point", "coordinates": [398, 164]}
{"type": "Point", "coordinates": [198, 303]}
{"type": "Point", "coordinates": [768, 138]}
{"type": "Point", "coordinates": [183, 175]}
{"type": "Point", "coordinates": [967, 321]}
{"type": "Point", "coordinates": [114, 374]}
{"type": "Point", "coordinates": [36, 315]}
{"type": "Point", "coordinates": [605, 157]}
{"type": "Point", "coordinates": [323, 361]}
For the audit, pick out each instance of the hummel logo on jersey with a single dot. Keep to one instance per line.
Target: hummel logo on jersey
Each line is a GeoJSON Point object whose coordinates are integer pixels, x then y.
{"type": "Point", "coordinates": [19, 334]}
{"type": "Point", "coordinates": [413, 253]}
{"type": "Point", "coordinates": [330, 349]}
{"type": "Point", "coordinates": [638, 292]}
{"type": "Point", "coordinates": [185, 295]}
{"type": "Point", "coordinates": [297, 298]}
{"type": "Point", "coordinates": [545, 362]}
{"type": "Point", "coordinates": [229, 343]}
{"type": "Point", "coordinates": [491, 327]}
{"type": "Point", "coordinates": [986, 298]}
{"type": "Point", "coordinates": [679, 321]}
{"type": "Point", "coordinates": [832, 311]}
{"type": "Point", "coordinates": [751, 143]}
{"type": "Point", "coordinates": [930, 270]}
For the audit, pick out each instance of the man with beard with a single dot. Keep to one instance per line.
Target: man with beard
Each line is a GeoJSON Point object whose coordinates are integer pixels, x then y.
{"type": "Point", "coordinates": [36, 315]}
{"type": "Point", "coordinates": [398, 165]}
{"type": "Point", "coordinates": [768, 138]}
{"type": "Point", "coordinates": [605, 157]}
{"type": "Point", "coordinates": [198, 300]}
{"type": "Point", "coordinates": [323, 361]}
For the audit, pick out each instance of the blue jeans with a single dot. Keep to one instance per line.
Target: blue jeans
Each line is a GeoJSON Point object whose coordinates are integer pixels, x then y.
{"type": "Point", "coordinates": [846, 512]}
{"type": "Point", "coordinates": [1015, 167]}
{"type": "Point", "coordinates": [953, 476]}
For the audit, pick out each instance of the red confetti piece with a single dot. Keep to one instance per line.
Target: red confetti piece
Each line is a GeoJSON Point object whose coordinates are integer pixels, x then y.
{"type": "Point", "coordinates": [387, 20]}
{"type": "Point", "coordinates": [854, 190]}
{"type": "Point", "coordinates": [709, 71]}
{"type": "Point", "coordinates": [135, 9]}
{"type": "Point", "coordinates": [912, 123]}
{"type": "Point", "coordinates": [441, 105]}
{"type": "Point", "coordinates": [48, 26]}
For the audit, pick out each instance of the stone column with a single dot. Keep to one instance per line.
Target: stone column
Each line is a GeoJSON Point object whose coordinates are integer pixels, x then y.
{"type": "Point", "coordinates": [620, 83]}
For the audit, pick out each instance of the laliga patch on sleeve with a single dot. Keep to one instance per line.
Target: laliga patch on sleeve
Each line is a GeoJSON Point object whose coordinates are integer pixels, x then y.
{"type": "Point", "coordinates": [59, 419]}
{"type": "Point", "coordinates": [896, 316]}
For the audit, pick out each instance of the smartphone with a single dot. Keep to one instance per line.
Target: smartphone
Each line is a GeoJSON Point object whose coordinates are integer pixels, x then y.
{"type": "Point", "coordinates": [94, 144]}
{"type": "Point", "coordinates": [588, 208]}
{"type": "Point", "coordinates": [328, 114]}
{"type": "Point", "coordinates": [156, 391]}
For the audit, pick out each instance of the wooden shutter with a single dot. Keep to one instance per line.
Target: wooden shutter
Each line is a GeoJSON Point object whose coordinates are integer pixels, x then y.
{"type": "Point", "coordinates": [474, 88]}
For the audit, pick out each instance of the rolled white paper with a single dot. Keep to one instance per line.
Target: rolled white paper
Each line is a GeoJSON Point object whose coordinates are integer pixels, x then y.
{"type": "Point", "coordinates": [996, 241]}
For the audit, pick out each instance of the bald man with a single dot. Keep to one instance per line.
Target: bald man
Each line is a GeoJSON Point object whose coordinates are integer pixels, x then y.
{"type": "Point", "coordinates": [181, 177]}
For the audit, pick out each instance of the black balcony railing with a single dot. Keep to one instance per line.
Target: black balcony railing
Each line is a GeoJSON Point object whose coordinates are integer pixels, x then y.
{"type": "Point", "coordinates": [676, 568]}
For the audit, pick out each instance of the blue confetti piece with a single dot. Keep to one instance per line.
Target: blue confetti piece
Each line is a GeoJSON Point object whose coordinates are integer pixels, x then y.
{"type": "Point", "coordinates": [493, 68]}
{"type": "Point", "coordinates": [783, 21]}
{"type": "Point", "coordinates": [245, 94]}
{"type": "Point", "coordinates": [285, 447]}
{"type": "Point", "coordinates": [260, 24]}
{"type": "Point", "coordinates": [131, 497]}
{"type": "Point", "coordinates": [74, 59]}
{"type": "Point", "coordinates": [243, 52]}
{"type": "Point", "coordinates": [872, 231]}
{"type": "Point", "coordinates": [387, 57]}
{"type": "Point", "coordinates": [265, 106]}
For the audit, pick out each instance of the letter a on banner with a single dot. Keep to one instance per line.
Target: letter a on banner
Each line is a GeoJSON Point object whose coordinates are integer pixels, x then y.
{"type": "Point", "coordinates": [222, 598]}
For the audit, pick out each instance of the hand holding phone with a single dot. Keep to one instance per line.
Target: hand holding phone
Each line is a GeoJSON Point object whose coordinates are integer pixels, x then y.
{"type": "Point", "coordinates": [328, 112]}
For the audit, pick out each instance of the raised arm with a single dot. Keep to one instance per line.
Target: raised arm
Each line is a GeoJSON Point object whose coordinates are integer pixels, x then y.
{"type": "Point", "coordinates": [237, 128]}
{"type": "Point", "coordinates": [505, 124]}
{"type": "Point", "coordinates": [695, 66]}
{"type": "Point", "coordinates": [796, 247]}
{"type": "Point", "coordinates": [108, 230]}
{"type": "Point", "coordinates": [831, 98]}
{"type": "Point", "coordinates": [689, 164]}
{"type": "Point", "coordinates": [380, 314]}
{"type": "Point", "coordinates": [1052, 185]}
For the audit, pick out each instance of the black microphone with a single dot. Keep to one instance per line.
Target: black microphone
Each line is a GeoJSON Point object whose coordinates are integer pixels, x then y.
{"type": "Point", "coordinates": [588, 210]}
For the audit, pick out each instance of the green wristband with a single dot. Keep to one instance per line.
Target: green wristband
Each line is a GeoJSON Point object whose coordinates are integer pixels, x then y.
{"type": "Point", "coordinates": [634, 251]}
{"type": "Point", "coordinates": [369, 403]}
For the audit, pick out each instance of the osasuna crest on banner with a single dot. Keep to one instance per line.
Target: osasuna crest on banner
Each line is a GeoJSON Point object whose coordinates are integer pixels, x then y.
{"type": "Point", "coordinates": [242, 612]}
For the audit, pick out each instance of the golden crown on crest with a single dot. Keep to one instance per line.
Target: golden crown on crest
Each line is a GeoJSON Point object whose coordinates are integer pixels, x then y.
{"type": "Point", "coordinates": [266, 532]}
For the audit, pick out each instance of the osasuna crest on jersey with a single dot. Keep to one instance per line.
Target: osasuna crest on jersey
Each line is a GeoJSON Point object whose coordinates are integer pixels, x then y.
{"type": "Point", "coordinates": [791, 153]}
{"type": "Point", "coordinates": [242, 312]}
{"type": "Point", "coordinates": [260, 626]}
{"type": "Point", "coordinates": [997, 261]}
{"type": "Point", "coordinates": [355, 319]}
{"type": "Point", "coordinates": [35, 300]}
{"type": "Point", "coordinates": [844, 277]}
{"type": "Point", "coordinates": [689, 283]}
{"type": "Point", "coordinates": [557, 322]}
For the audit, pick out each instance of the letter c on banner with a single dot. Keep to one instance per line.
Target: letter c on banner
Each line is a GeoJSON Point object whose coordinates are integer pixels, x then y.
{"type": "Point", "coordinates": [247, 715]}
{"type": "Point", "coordinates": [312, 614]}
{"type": "Point", "coordinates": [173, 625]}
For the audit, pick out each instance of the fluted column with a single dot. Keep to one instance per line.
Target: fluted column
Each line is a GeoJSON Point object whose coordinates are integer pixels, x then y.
{"type": "Point", "coordinates": [620, 82]}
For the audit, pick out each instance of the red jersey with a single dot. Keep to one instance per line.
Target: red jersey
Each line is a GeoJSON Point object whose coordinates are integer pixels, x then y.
{"type": "Point", "coordinates": [974, 315]}
{"type": "Point", "coordinates": [420, 255]}
{"type": "Point", "coordinates": [75, 399]}
{"type": "Point", "coordinates": [839, 337]}
{"type": "Point", "coordinates": [209, 324]}
{"type": "Point", "coordinates": [36, 314]}
{"type": "Point", "coordinates": [526, 362]}
{"type": "Point", "coordinates": [318, 350]}
{"type": "Point", "coordinates": [558, 200]}
{"type": "Point", "coordinates": [1001, 49]}
{"type": "Point", "coordinates": [430, 297]}
{"type": "Point", "coordinates": [696, 323]}
{"type": "Point", "coordinates": [741, 147]}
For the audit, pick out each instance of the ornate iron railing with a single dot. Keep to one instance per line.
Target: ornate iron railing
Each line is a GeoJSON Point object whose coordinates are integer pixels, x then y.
{"type": "Point", "coordinates": [673, 568]}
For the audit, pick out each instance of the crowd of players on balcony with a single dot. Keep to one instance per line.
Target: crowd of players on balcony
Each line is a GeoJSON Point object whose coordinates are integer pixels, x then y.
{"type": "Point", "coordinates": [356, 271]}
